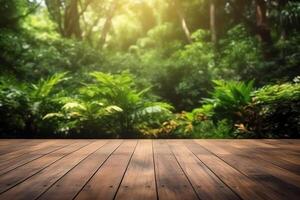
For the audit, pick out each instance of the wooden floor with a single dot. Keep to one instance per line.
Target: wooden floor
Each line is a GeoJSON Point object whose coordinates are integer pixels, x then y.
{"type": "Point", "coordinates": [150, 169]}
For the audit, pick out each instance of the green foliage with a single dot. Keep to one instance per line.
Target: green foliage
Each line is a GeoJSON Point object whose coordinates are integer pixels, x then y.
{"type": "Point", "coordinates": [13, 106]}
{"type": "Point", "coordinates": [185, 75]}
{"type": "Point", "coordinates": [240, 55]}
{"type": "Point", "coordinates": [272, 94]}
{"type": "Point", "coordinates": [44, 87]}
{"type": "Point", "coordinates": [31, 58]}
{"type": "Point", "coordinates": [124, 85]}
{"type": "Point", "coordinates": [289, 51]}
{"type": "Point", "coordinates": [289, 16]}
{"type": "Point", "coordinates": [121, 91]}
{"type": "Point", "coordinates": [110, 106]}
{"type": "Point", "coordinates": [78, 116]}
{"type": "Point", "coordinates": [12, 12]}
{"type": "Point", "coordinates": [208, 129]}
{"type": "Point", "coordinates": [196, 64]}
{"type": "Point", "coordinates": [229, 99]}
{"type": "Point", "coordinates": [192, 125]}
{"type": "Point", "coordinates": [28, 103]}
{"type": "Point", "coordinates": [157, 37]}
{"type": "Point", "coordinates": [278, 107]}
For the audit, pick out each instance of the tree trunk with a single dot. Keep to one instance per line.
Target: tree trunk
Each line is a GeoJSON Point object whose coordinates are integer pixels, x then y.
{"type": "Point", "coordinates": [283, 28]}
{"type": "Point", "coordinates": [182, 21]}
{"type": "Point", "coordinates": [212, 13]}
{"type": "Point", "coordinates": [54, 9]}
{"type": "Point", "coordinates": [107, 24]}
{"type": "Point", "coordinates": [262, 28]}
{"type": "Point", "coordinates": [71, 21]}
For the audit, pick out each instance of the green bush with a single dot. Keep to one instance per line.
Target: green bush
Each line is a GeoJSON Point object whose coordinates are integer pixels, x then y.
{"type": "Point", "coordinates": [24, 105]}
{"type": "Point", "coordinates": [278, 108]}
{"type": "Point", "coordinates": [110, 106]}
{"type": "Point", "coordinates": [192, 125]}
{"type": "Point", "coordinates": [13, 107]}
{"type": "Point", "coordinates": [240, 55]}
{"type": "Point", "coordinates": [209, 129]}
{"type": "Point", "coordinates": [30, 58]}
{"type": "Point", "coordinates": [229, 99]}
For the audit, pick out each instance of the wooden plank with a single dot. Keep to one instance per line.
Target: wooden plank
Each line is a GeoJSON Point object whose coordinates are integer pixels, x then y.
{"type": "Point", "coordinates": [4, 149]}
{"type": "Point", "coordinates": [15, 146]}
{"type": "Point", "coordinates": [12, 164]}
{"type": "Point", "coordinates": [238, 182]}
{"type": "Point", "coordinates": [37, 184]}
{"type": "Point", "coordinates": [207, 184]}
{"type": "Point", "coordinates": [23, 151]}
{"type": "Point", "coordinates": [271, 145]}
{"type": "Point", "coordinates": [8, 142]}
{"type": "Point", "coordinates": [288, 147]}
{"type": "Point", "coordinates": [105, 183]}
{"type": "Point", "coordinates": [139, 180]}
{"type": "Point", "coordinates": [293, 144]}
{"type": "Point", "coordinates": [277, 179]}
{"type": "Point", "coordinates": [11, 145]}
{"type": "Point", "coordinates": [20, 174]}
{"type": "Point", "coordinates": [278, 146]}
{"type": "Point", "coordinates": [172, 183]}
{"type": "Point", "coordinates": [260, 167]}
{"type": "Point", "coordinates": [286, 159]}
{"type": "Point", "coordinates": [69, 185]}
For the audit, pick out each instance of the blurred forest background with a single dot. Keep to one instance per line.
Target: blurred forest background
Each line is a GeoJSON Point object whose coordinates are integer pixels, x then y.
{"type": "Point", "coordinates": [150, 68]}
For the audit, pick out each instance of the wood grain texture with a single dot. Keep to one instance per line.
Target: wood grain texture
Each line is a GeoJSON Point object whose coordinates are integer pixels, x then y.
{"type": "Point", "coordinates": [69, 185]}
{"type": "Point", "coordinates": [149, 169]}
{"type": "Point", "coordinates": [11, 164]}
{"type": "Point", "coordinates": [106, 181]}
{"type": "Point", "coordinates": [12, 178]}
{"type": "Point", "coordinates": [35, 185]}
{"type": "Point", "coordinates": [139, 180]}
{"type": "Point", "coordinates": [284, 184]}
{"type": "Point", "coordinates": [205, 182]}
{"type": "Point", "coordinates": [172, 183]}
{"type": "Point", "coordinates": [238, 182]}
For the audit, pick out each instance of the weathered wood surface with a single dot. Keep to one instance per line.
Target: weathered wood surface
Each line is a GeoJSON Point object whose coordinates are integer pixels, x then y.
{"type": "Point", "coordinates": [149, 169]}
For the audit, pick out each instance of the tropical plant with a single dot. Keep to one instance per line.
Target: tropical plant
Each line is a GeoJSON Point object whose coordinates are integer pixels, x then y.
{"type": "Point", "coordinates": [84, 118]}
{"type": "Point", "coordinates": [41, 98]}
{"type": "Point", "coordinates": [229, 99]}
{"type": "Point", "coordinates": [111, 104]}
{"type": "Point", "coordinates": [28, 103]}
{"type": "Point", "coordinates": [121, 91]}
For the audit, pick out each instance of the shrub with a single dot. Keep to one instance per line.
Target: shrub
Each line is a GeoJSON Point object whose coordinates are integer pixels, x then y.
{"type": "Point", "coordinates": [193, 125]}
{"type": "Point", "coordinates": [240, 55]}
{"type": "Point", "coordinates": [24, 105]}
{"type": "Point", "coordinates": [279, 110]}
{"type": "Point", "coordinates": [81, 118]}
{"type": "Point", "coordinates": [110, 106]}
{"type": "Point", "coordinates": [13, 107]}
{"type": "Point", "coordinates": [30, 58]}
{"type": "Point", "coordinates": [209, 129]}
{"type": "Point", "coordinates": [229, 99]}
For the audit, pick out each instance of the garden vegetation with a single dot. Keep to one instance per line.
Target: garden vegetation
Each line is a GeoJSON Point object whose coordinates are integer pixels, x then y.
{"type": "Point", "coordinates": [150, 69]}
